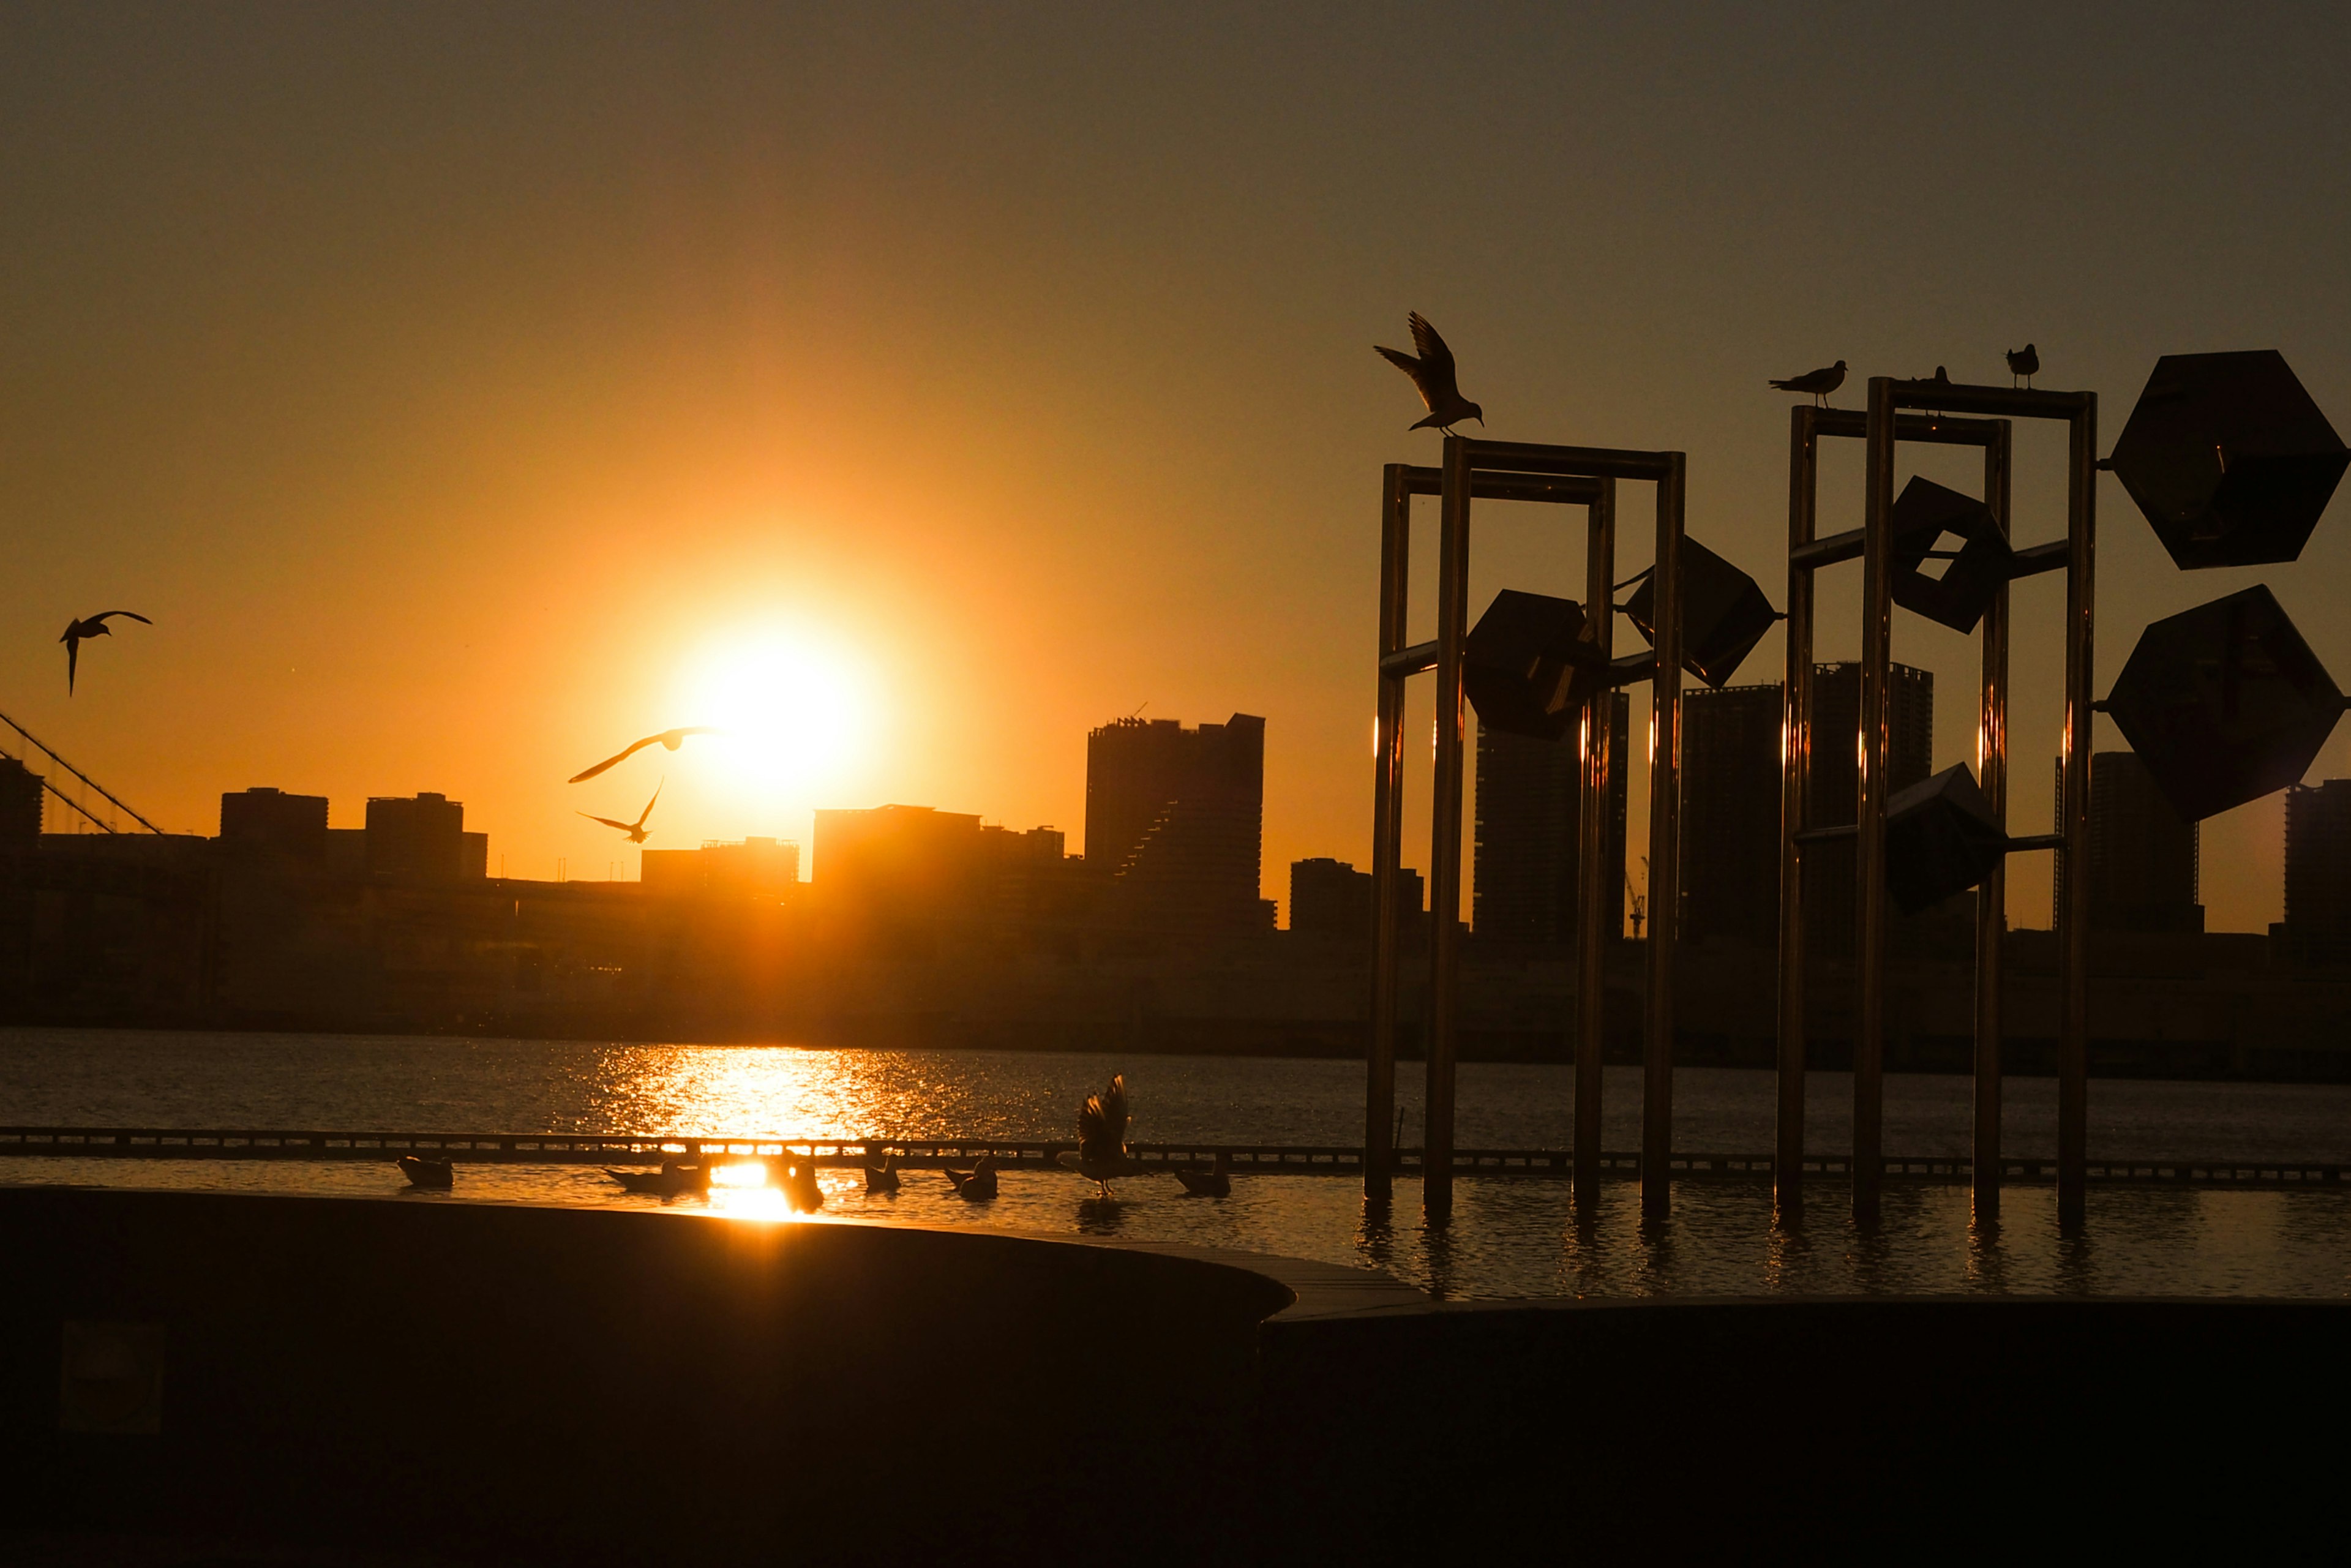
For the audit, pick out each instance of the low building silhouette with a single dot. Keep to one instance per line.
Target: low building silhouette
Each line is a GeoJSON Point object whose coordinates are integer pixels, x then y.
{"type": "Point", "coordinates": [20, 800]}
{"type": "Point", "coordinates": [269, 824]}
{"type": "Point", "coordinates": [765, 868]}
{"type": "Point", "coordinates": [422, 838]}
{"type": "Point", "coordinates": [1331, 901]}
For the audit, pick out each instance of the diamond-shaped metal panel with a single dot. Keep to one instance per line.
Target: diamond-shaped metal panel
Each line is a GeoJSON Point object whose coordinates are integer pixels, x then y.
{"type": "Point", "coordinates": [1969, 579]}
{"type": "Point", "coordinates": [1940, 840]}
{"type": "Point", "coordinates": [2229, 458]}
{"type": "Point", "coordinates": [1529, 663]}
{"type": "Point", "coordinates": [1724, 613]}
{"type": "Point", "coordinates": [2224, 702]}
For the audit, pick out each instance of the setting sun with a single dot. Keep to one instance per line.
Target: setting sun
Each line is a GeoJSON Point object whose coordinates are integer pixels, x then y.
{"type": "Point", "coordinates": [795, 712]}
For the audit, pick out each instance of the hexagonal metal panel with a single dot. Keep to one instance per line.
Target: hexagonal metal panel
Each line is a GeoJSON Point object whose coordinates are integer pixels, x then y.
{"type": "Point", "coordinates": [1724, 614]}
{"type": "Point", "coordinates": [1940, 840]}
{"type": "Point", "coordinates": [2229, 458]}
{"type": "Point", "coordinates": [1529, 663]}
{"type": "Point", "coordinates": [1970, 578]}
{"type": "Point", "coordinates": [2224, 702]}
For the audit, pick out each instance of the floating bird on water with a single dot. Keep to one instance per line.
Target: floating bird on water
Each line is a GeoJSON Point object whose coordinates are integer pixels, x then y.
{"type": "Point", "coordinates": [1215, 1182]}
{"type": "Point", "coordinates": [883, 1177]}
{"type": "Point", "coordinates": [1101, 1137]}
{"type": "Point", "coordinates": [673, 738]}
{"type": "Point", "coordinates": [1433, 374]}
{"type": "Point", "coordinates": [432, 1176]}
{"type": "Point", "coordinates": [2023, 364]}
{"type": "Point", "coordinates": [1815, 385]}
{"type": "Point", "coordinates": [637, 831]}
{"type": "Point", "coordinates": [978, 1184]}
{"type": "Point", "coordinates": [673, 1180]}
{"type": "Point", "coordinates": [801, 1190]}
{"type": "Point", "coordinates": [89, 626]}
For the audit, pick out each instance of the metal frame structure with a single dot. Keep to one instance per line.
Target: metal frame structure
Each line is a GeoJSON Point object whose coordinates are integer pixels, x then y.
{"type": "Point", "coordinates": [1881, 427]}
{"type": "Point", "coordinates": [1497, 470]}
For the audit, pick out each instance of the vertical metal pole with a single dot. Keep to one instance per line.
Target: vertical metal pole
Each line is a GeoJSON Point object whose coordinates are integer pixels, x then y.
{"type": "Point", "coordinates": [1869, 846]}
{"type": "Point", "coordinates": [2074, 917]}
{"type": "Point", "coordinates": [1991, 897]}
{"type": "Point", "coordinates": [1795, 763]}
{"type": "Point", "coordinates": [1387, 837]}
{"type": "Point", "coordinates": [1600, 901]}
{"type": "Point", "coordinates": [1665, 850]}
{"type": "Point", "coordinates": [1444, 851]}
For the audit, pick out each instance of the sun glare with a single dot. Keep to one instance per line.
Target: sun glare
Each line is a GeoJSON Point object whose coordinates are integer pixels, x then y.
{"type": "Point", "coordinates": [796, 713]}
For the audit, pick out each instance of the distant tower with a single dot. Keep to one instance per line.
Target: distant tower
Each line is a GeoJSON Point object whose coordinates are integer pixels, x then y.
{"type": "Point", "coordinates": [1523, 876]}
{"type": "Point", "coordinates": [2143, 852]}
{"type": "Point", "coordinates": [1833, 798]}
{"type": "Point", "coordinates": [2317, 928]}
{"type": "Point", "coordinates": [1730, 814]}
{"type": "Point", "coordinates": [1175, 818]}
{"type": "Point", "coordinates": [20, 800]}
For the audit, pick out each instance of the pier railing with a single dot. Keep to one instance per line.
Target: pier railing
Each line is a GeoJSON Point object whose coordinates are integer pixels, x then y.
{"type": "Point", "coordinates": [1019, 1154]}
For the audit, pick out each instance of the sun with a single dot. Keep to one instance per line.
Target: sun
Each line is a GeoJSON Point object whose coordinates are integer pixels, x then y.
{"type": "Point", "coordinates": [795, 710]}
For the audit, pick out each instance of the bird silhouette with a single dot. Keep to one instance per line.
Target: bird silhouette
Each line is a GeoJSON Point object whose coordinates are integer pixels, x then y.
{"type": "Point", "coordinates": [2023, 364]}
{"type": "Point", "coordinates": [883, 1177]}
{"type": "Point", "coordinates": [801, 1190]}
{"type": "Point", "coordinates": [1815, 385]}
{"type": "Point", "coordinates": [637, 831]}
{"type": "Point", "coordinates": [79, 632]}
{"type": "Point", "coordinates": [977, 1184]}
{"type": "Point", "coordinates": [1101, 1137]}
{"type": "Point", "coordinates": [673, 738]}
{"type": "Point", "coordinates": [1432, 373]}
{"type": "Point", "coordinates": [1215, 1182]}
{"type": "Point", "coordinates": [430, 1175]}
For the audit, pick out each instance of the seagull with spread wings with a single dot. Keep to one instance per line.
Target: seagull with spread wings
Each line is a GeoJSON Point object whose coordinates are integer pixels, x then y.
{"type": "Point", "coordinates": [637, 831]}
{"type": "Point", "coordinates": [673, 738]}
{"type": "Point", "coordinates": [78, 632]}
{"type": "Point", "coordinates": [1432, 373]}
{"type": "Point", "coordinates": [1101, 1137]}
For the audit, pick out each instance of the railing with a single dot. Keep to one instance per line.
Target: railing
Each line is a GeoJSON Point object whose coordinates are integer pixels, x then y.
{"type": "Point", "coordinates": [647, 1148]}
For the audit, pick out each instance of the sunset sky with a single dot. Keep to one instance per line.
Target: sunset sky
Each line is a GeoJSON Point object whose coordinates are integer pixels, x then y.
{"type": "Point", "coordinates": [467, 390]}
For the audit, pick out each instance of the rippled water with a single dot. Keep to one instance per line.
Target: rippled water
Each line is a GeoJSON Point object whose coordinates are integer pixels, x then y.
{"type": "Point", "coordinates": [1510, 1236]}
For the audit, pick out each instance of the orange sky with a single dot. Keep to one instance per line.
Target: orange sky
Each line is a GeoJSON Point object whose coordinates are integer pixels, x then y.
{"type": "Point", "coordinates": [448, 382]}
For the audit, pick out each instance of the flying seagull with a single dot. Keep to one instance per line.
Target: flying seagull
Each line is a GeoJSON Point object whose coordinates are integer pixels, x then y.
{"type": "Point", "coordinates": [637, 831]}
{"type": "Point", "coordinates": [90, 626]}
{"type": "Point", "coordinates": [1432, 373]}
{"type": "Point", "coordinates": [673, 738]}
{"type": "Point", "coordinates": [2023, 363]}
{"type": "Point", "coordinates": [1101, 1137]}
{"type": "Point", "coordinates": [1816, 384]}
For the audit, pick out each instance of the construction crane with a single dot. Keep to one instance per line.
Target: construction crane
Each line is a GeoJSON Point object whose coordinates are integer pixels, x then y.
{"type": "Point", "coordinates": [1640, 900]}
{"type": "Point", "coordinates": [99, 817]}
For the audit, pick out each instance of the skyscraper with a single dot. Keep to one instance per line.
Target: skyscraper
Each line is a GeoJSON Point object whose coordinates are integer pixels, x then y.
{"type": "Point", "coordinates": [1177, 816]}
{"type": "Point", "coordinates": [1730, 814]}
{"type": "Point", "coordinates": [2143, 852]}
{"type": "Point", "coordinates": [2317, 927]}
{"type": "Point", "coordinates": [1833, 793]}
{"type": "Point", "coordinates": [1523, 874]}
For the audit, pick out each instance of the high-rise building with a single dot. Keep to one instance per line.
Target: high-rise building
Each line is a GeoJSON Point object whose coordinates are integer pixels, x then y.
{"type": "Point", "coordinates": [1523, 872]}
{"type": "Point", "coordinates": [20, 800]}
{"type": "Point", "coordinates": [1730, 814]}
{"type": "Point", "coordinates": [2143, 852]}
{"type": "Point", "coordinates": [261, 824]}
{"type": "Point", "coordinates": [422, 838]}
{"type": "Point", "coordinates": [1833, 787]}
{"type": "Point", "coordinates": [2317, 926]}
{"type": "Point", "coordinates": [1329, 900]}
{"type": "Point", "coordinates": [1175, 817]}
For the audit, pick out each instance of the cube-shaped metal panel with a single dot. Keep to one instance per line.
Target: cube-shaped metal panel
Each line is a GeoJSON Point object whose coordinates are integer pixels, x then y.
{"type": "Point", "coordinates": [2224, 702]}
{"type": "Point", "coordinates": [1530, 662]}
{"type": "Point", "coordinates": [1940, 840]}
{"type": "Point", "coordinates": [1949, 583]}
{"type": "Point", "coordinates": [1724, 613]}
{"type": "Point", "coordinates": [2229, 458]}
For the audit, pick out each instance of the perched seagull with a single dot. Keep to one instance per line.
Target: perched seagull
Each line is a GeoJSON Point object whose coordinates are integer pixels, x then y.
{"type": "Point", "coordinates": [883, 1177]}
{"type": "Point", "coordinates": [432, 1176]}
{"type": "Point", "coordinates": [637, 831]}
{"type": "Point", "coordinates": [1815, 385]}
{"type": "Point", "coordinates": [1215, 1182]}
{"type": "Point", "coordinates": [977, 1184]}
{"type": "Point", "coordinates": [1432, 373]}
{"type": "Point", "coordinates": [76, 632]}
{"type": "Point", "coordinates": [1101, 1137]}
{"type": "Point", "coordinates": [2023, 364]}
{"type": "Point", "coordinates": [801, 1190]}
{"type": "Point", "coordinates": [673, 738]}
